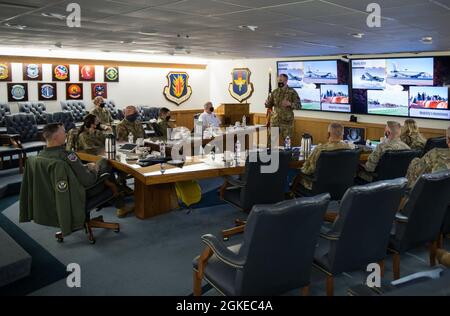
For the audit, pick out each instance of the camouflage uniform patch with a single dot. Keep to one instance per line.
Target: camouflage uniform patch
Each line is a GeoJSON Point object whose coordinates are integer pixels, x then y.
{"type": "Point", "coordinates": [62, 186]}
{"type": "Point", "coordinates": [126, 127]}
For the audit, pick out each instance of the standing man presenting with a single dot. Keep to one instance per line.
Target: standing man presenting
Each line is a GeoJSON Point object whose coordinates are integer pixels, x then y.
{"type": "Point", "coordinates": [283, 101]}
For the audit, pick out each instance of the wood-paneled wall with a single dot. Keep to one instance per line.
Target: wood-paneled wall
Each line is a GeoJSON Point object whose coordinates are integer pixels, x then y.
{"type": "Point", "coordinates": [318, 128]}
{"type": "Point", "coordinates": [185, 117]}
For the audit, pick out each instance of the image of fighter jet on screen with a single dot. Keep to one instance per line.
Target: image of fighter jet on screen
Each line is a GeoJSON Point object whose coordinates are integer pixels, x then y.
{"type": "Point", "coordinates": [321, 72]}
{"type": "Point", "coordinates": [295, 81]}
{"type": "Point", "coordinates": [368, 77]}
{"type": "Point", "coordinates": [417, 71]}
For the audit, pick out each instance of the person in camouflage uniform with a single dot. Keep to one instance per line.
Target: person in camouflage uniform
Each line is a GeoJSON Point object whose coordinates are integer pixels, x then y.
{"type": "Point", "coordinates": [130, 124]}
{"type": "Point", "coordinates": [90, 139]}
{"type": "Point", "coordinates": [411, 136]}
{"type": "Point", "coordinates": [88, 175]}
{"type": "Point", "coordinates": [435, 160]}
{"type": "Point", "coordinates": [392, 143]}
{"type": "Point", "coordinates": [283, 101]}
{"type": "Point", "coordinates": [162, 125]}
{"type": "Point", "coordinates": [335, 142]}
{"type": "Point", "coordinates": [103, 114]}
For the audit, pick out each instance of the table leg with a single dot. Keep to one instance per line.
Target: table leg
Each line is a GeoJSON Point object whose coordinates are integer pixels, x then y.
{"type": "Point", "coordinates": [153, 200]}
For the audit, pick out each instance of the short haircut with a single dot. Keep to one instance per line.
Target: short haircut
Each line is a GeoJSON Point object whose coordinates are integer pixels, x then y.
{"type": "Point", "coordinates": [394, 127]}
{"type": "Point", "coordinates": [207, 105]}
{"type": "Point", "coordinates": [336, 129]}
{"type": "Point", "coordinates": [284, 76]}
{"type": "Point", "coordinates": [50, 130]}
{"type": "Point", "coordinates": [130, 108]}
{"type": "Point", "coordinates": [163, 111]}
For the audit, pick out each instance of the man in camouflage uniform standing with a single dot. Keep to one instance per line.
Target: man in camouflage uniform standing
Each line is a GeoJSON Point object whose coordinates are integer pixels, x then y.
{"type": "Point", "coordinates": [392, 143]}
{"type": "Point", "coordinates": [435, 160]}
{"type": "Point", "coordinates": [283, 101]}
{"type": "Point", "coordinates": [335, 142]}
{"type": "Point", "coordinates": [103, 115]}
{"type": "Point", "coordinates": [130, 124]}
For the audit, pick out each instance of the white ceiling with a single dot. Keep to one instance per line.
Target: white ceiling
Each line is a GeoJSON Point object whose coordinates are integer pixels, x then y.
{"type": "Point", "coordinates": [210, 28]}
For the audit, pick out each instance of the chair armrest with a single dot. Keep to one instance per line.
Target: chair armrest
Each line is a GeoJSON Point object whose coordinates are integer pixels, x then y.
{"type": "Point", "coordinates": [401, 218]}
{"type": "Point", "coordinates": [235, 182]}
{"type": "Point", "coordinates": [11, 139]}
{"type": "Point", "coordinates": [327, 234]}
{"type": "Point", "coordinates": [222, 252]}
{"type": "Point", "coordinates": [433, 274]}
{"type": "Point", "coordinates": [100, 179]}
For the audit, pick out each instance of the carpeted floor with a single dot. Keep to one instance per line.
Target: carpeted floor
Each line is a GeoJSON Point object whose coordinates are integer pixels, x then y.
{"type": "Point", "coordinates": [154, 257]}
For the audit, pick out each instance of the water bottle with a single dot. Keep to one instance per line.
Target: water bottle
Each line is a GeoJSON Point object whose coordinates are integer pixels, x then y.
{"type": "Point", "coordinates": [244, 121]}
{"type": "Point", "coordinates": [237, 156]}
{"type": "Point", "coordinates": [162, 149]}
{"type": "Point", "coordinates": [130, 138]}
{"type": "Point", "coordinates": [287, 143]}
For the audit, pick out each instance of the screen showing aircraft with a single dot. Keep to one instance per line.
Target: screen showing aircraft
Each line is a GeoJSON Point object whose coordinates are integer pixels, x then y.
{"type": "Point", "coordinates": [310, 97]}
{"type": "Point", "coordinates": [369, 74]}
{"type": "Point", "coordinates": [429, 102]}
{"type": "Point", "coordinates": [294, 71]}
{"type": "Point", "coordinates": [335, 98]}
{"type": "Point", "coordinates": [324, 71]}
{"type": "Point", "coordinates": [410, 71]}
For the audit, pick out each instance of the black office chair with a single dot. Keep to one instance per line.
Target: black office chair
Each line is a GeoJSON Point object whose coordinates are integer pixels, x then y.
{"type": "Point", "coordinates": [23, 130]}
{"type": "Point", "coordinates": [426, 283]}
{"type": "Point", "coordinates": [110, 105]}
{"type": "Point", "coordinates": [394, 164]}
{"type": "Point", "coordinates": [4, 111]}
{"type": "Point", "coordinates": [255, 187]}
{"type": "Point", "coordinates": [275, 256]}
{"type": "Point", "coordinates": [445, 230]}
{"type": "Point", "coordinates": [39, 111]}
{"type": "Point", "coordinates": [435, 142]}
{"type": "Point", "coordinates": [78, 109]}
{"type": "Point", "coordinates": [421, 219]}
{"type": "Point", "coordinates": [58, 200]}
{"type": "Point", "coordinates": [65, 118]}
{"type": "Point", "coordinates": [360, 235]}
{"type": "Point", "coordinates": [334, 174]}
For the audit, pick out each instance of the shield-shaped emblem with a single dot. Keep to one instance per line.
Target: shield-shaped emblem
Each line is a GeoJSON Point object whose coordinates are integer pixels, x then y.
{"type": "Point", "coordinates": [177, 89]}
{"type": "Point", "coordinates": [240, 87]}
{"type": "Point", "coordinates": [74, 91]}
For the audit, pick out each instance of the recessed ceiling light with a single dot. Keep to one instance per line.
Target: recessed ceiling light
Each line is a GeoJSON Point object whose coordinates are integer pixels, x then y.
{"type": "Point", "coordinates": [358, 35]}
{"type": "Point", "coordinates": [127, 42]}
{"type": "Point", "coordinates": [427, 40]}
{"type": "Point", "coordinates": [249, 27]}
{"type": "Point", "coordinates": [59, 45]}
{"type": "Point", "coordinates": [53, 15]}
{"type": "Point", "coordinates": [272, 46]}
{"type": "Point", "coordinates": [16, 26]}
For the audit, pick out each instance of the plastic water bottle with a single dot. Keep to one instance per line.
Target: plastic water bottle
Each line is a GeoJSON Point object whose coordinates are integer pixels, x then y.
{"type": "Point", "coordinates": [287, 143]}
{"type": "Point", "coordinates": [244, 121]}
{"type": "Point", "coordinates": [238, 151]}
{"type": "Point", "coordinates": [130, 138]}
{"type": "Point", "coordinates": [162, 149]}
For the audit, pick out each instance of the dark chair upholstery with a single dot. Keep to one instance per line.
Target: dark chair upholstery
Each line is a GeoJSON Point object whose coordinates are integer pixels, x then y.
{"type": "Point", "coordinates": [4, 110]}
{"type": "Point", "coordinates": [275, 256]}
{"type": "Point", "coordinates": [64, 117]}
{"type": "Point", "coordinates": [394, 164]}
{"type": "Point", "coordinates": [435, 142]}
{"type": "Point", "coordinates": [420, 221]}
{"type": "Point", "coordinates": [78, 109]}
{"type": "Point", "coordinates": [148, 113]}
{"type": "Point", "coordinates": [38, 109]}
{"type": "Point", "coordinates": [334, 174]}
{"type": "Point", "coordinates": [360, 235]}
{"type": "Point", "coordinates": [24, 125]}
{"type": "Point", "coordinates": [115, 113]}
{"type": "Point", "coordinates": [446, 225]}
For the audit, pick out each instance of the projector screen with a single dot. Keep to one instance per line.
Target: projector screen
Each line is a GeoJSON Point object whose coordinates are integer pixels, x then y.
{"type": "Point", "coordinates": [429, 102]}
{"type": "Point", "coordinates": [335, 98]}
{"type": "Point", "coordinates": [388, 102]}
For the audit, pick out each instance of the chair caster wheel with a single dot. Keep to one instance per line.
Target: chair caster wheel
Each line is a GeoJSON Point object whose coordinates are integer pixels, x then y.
{"type": "Point", "coordinates": [60, 240]}
{"type": "Point", "coordinates": [117, 230]}
{"type": "Point", "coordinates": [59, 237]}
{"type": "Point", "coordinates": [92, 241]}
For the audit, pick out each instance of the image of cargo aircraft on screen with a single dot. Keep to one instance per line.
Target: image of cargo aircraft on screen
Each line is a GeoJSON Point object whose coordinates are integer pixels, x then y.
{"type": "Point", "coordinates": [369, 74]}
{"type": "Point", "coordinates": [294, 71]}
{"type": "Point", "coordinates": [324, 71]}
{"type": "Point", "coordinates": [310, 97]}
{"type": "Point", "coordinates": [429, 102]}
{"type": "Point", "coordinates": [392, 101]}
{"type": "Point", "coordinates": [410, 71]}
{"type": "Point", "coordinates": [335, 98]}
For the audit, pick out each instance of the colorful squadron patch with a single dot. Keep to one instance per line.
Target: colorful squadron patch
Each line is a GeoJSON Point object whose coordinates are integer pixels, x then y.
{"type": "Point", "coordinates": [99, 90]}
{"type": "Point", "coordinates": [178, 89]}
{"type": "Point", "coordinates": [32, 72]}
{"type": "Point", "coordinates": [61, 73]}
{"type": "Point", "coordinates": [240, 87]}
{"type": "Point", "coordinates": [5, 71]}
{"type": "Point", "coordinates": [74, 91]}
{"type": "Point", "coordinates": [62, 186]}
{"type": "Point", "coordinates": [47, 91]}
{"type": "Point", "coordinates": [87, 73]}
{"type": "Point", "coordinates": [17, 92]}
{"type": "Point", "coordinates": [111, 74]}
{"type": "Point", "coordinates": [72, 157]}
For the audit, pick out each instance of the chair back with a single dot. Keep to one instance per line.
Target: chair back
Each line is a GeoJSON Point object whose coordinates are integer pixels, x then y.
{"type": "Point", "coordinates": [24, 125]}
{"type": "Point", "coordinates": [78, 109]}
{"type": "Point", "coordinates": [394, 164]}
{"type": "Point", "coordinates": [4, 111]}
{"type": "Point", "coordinates": [261, 187]}
{"type": "Point", "coordinates": [426, 208]}
{"type": "Point", "coordinates": [335, 172]}
{"type": "Point", "coordinates": [38, 109]}
{"type": "Point", "coordinates": [364, 224]}
{"type": "Point", "coordinates": [110, 105]}
{"type": "Point", "coordinates": [446, 225]}
{"type": "Point", "coordinates": [279, 243]}
{"type": "Point", "coordinates": [435, 142]}
{"type": "Point", "coordinates": [64, 117]}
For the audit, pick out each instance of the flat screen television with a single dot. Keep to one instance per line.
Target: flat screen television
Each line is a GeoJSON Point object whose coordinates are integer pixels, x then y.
{"type": "Point", "coordinates": [429, 102]}
{"type": "Point", "coordinates": [310, 97]}
{"type": "Point", "coordinates": [388, 102]}
{"type": "Point", "coordinates": [294, 71]}
{"type": "Point", "coordinates": [324, 71]}
{"type": "Point", "coordinates": [335, 98]}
